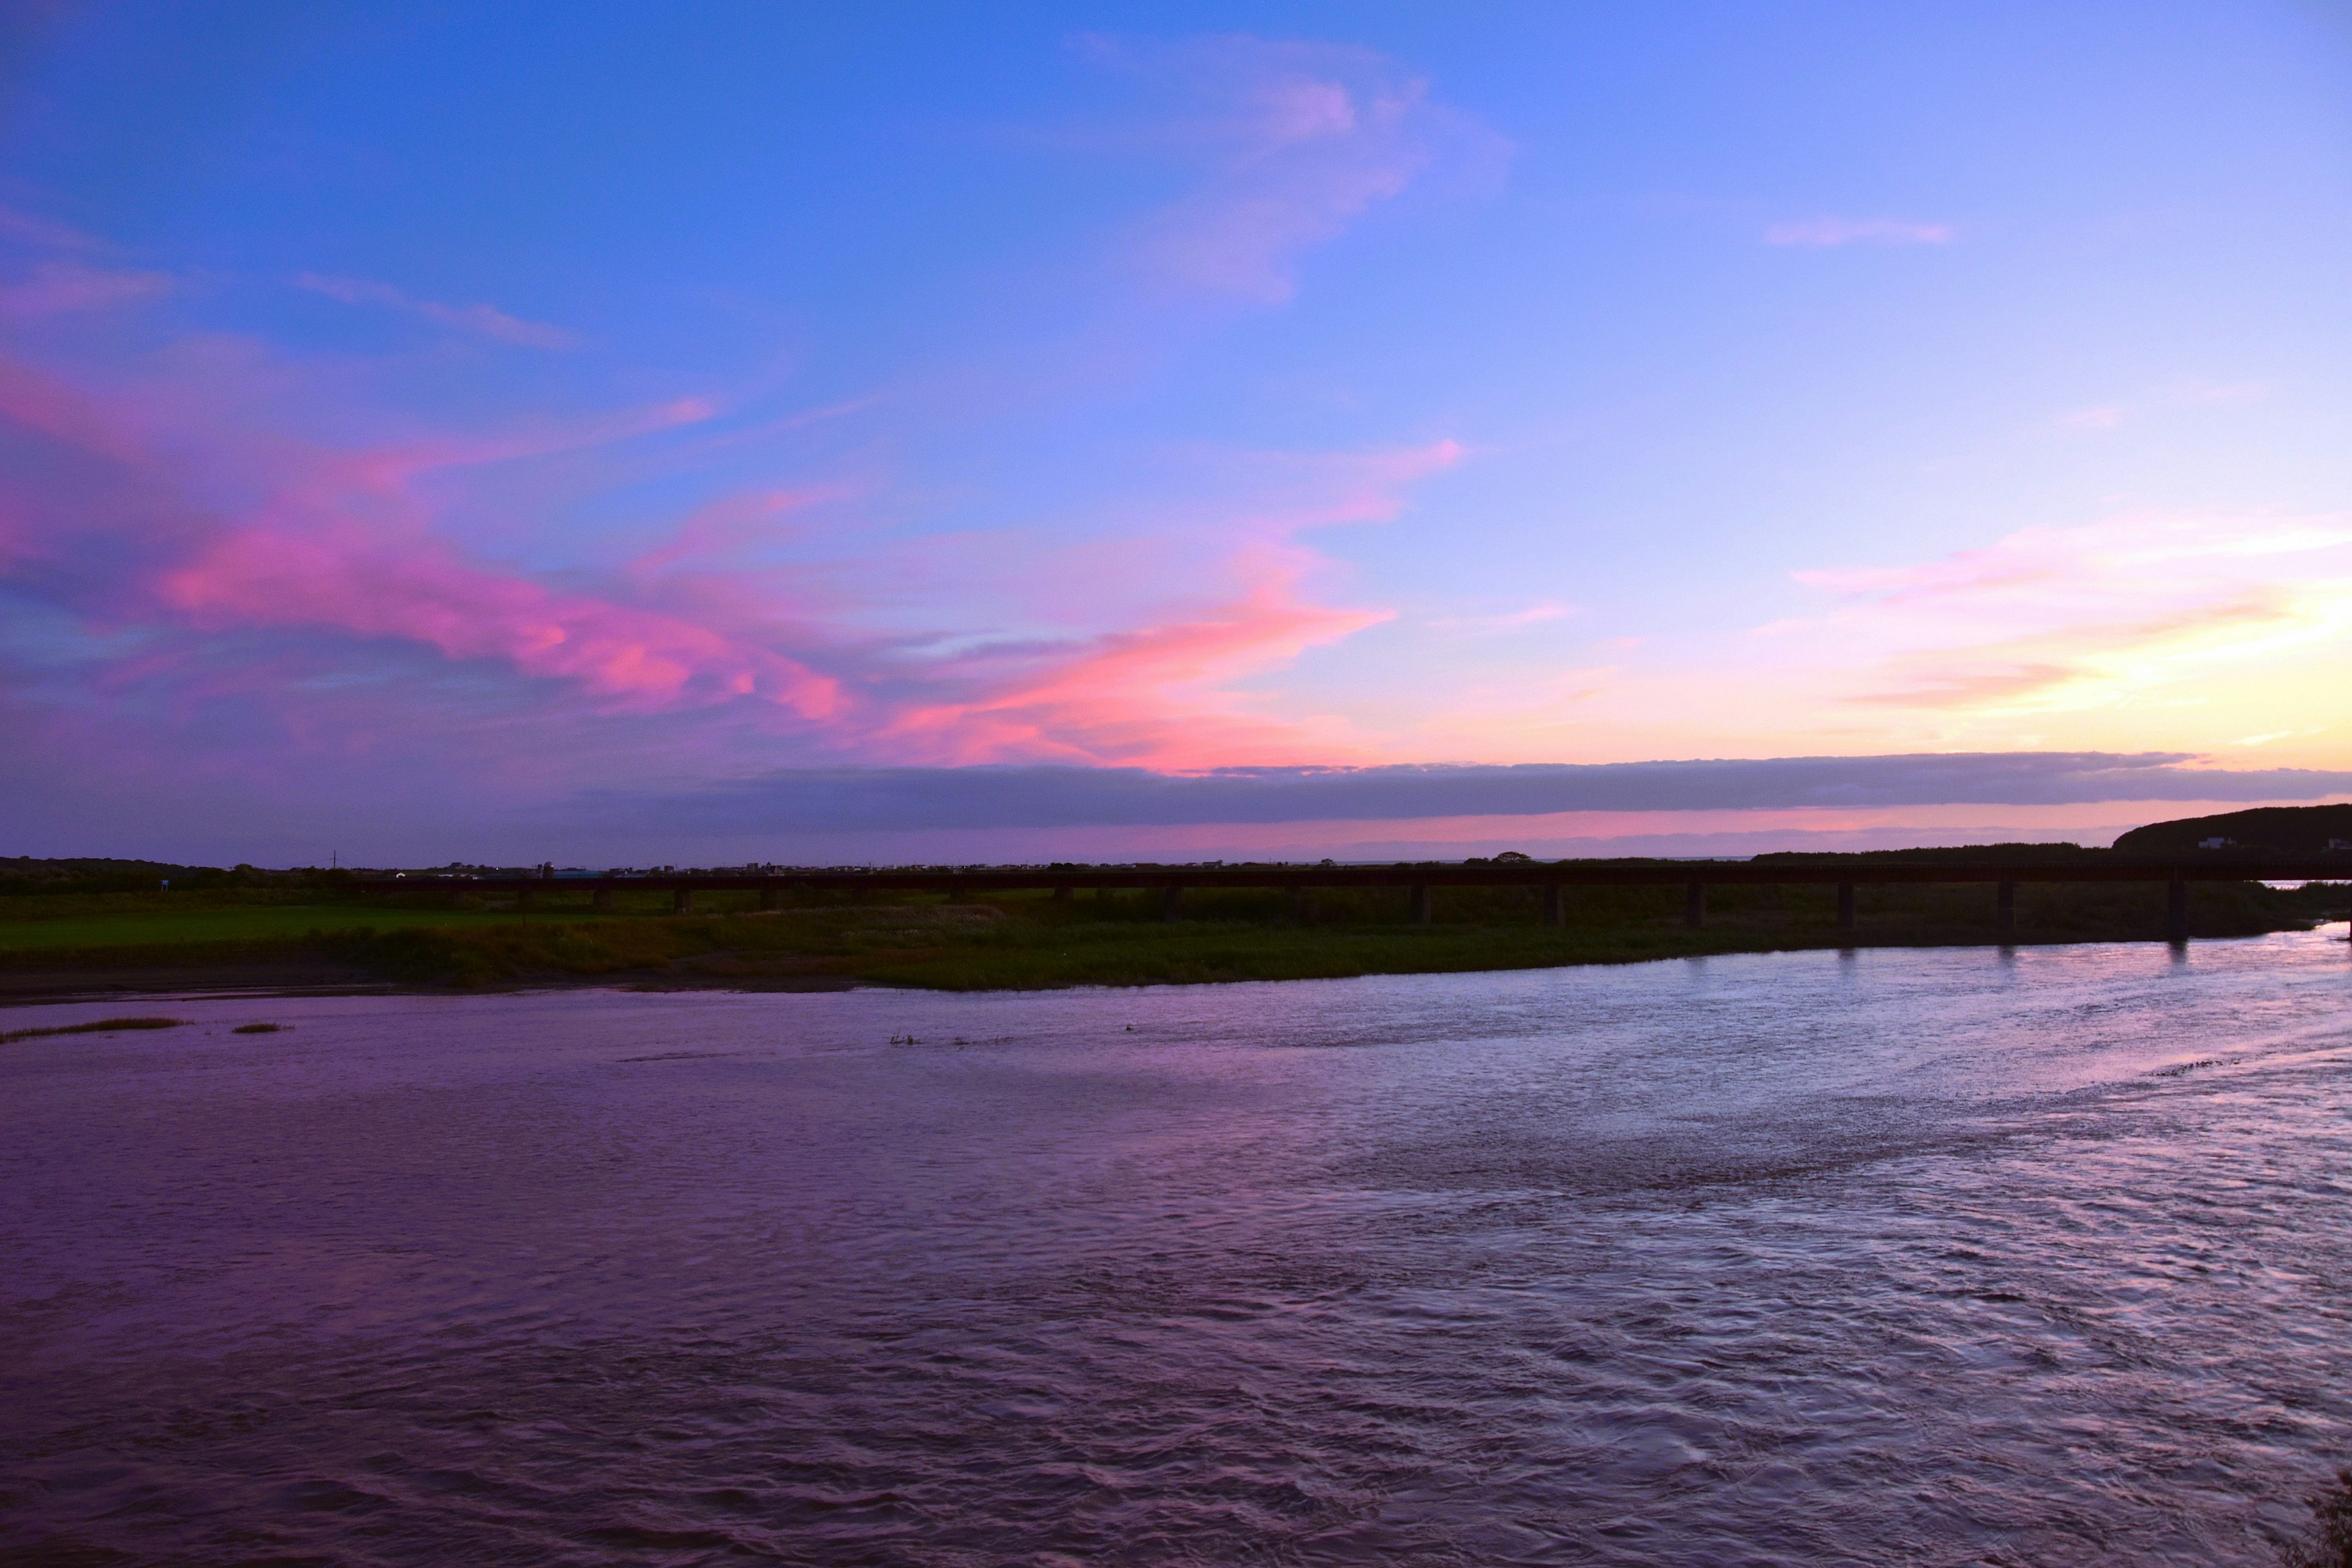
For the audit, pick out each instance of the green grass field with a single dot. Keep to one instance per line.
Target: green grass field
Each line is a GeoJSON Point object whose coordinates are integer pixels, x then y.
{"type": "Point", "coordinates": [156, 928]}
{"type": "Point", "coordinates": [1030, 941]}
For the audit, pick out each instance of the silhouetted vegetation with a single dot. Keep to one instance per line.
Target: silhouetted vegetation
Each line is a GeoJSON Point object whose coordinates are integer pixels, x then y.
{"type": "Point", "coordinates": [23, 877]}
{"type": "Point", "coordinates": [2273, 829]}
{"type": "Point", "coordinates": [1974, 853]}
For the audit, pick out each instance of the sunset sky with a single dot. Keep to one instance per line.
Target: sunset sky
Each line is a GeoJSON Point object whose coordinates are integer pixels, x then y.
{"type": "Point", "coordinates": [629, 433]}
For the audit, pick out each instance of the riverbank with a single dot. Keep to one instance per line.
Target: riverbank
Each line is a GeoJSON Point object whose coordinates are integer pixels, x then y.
{"type": "Point", "coordinates": [130, 944]}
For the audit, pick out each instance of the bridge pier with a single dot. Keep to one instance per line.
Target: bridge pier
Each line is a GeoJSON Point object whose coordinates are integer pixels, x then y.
{"type": "Point", "coordinates": [1171, 901]}
{"type": "Point", "coordinates": [602, 898]}
{"type": "Point", "coordinates": [771, 898]}
{"type": "Point", "coordinates": [2004, 908]}
{"type": "Point", "coordinates": [683, 903]}
{"type": "Point", "coordinates": [1555, 905]}
{"type": "Point", "coordinates": [2176, 912]}
{"type": "Point", "coordinates": [1417, 904]}
{"type": "Point", "coordinates": [524, 901]}
{"type": "Point", "coordinates": [1695, 905]}
{"type": "Point", "coordinates": [1298, 906]}
{"type": "Point", "coordinates": [1063, 893]}
{"type": "Point", "coordinates": [1845, 906]}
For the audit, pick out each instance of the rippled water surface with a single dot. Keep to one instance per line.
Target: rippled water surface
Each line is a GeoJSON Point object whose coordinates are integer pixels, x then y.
{"type": "Point", "coordinates": [1924, 1257]}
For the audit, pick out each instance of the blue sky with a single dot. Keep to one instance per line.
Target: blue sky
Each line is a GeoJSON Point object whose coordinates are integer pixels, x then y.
{"type": "Point", "coordinates": [413, 419]}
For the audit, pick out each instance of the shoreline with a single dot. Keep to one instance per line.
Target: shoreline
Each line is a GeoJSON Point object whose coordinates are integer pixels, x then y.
{"type": "Point", "coordinates": [29, 986]}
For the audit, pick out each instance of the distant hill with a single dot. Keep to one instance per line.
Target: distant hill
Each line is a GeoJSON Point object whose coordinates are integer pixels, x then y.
{"type": "Point", "coordinates": [2285, 829]}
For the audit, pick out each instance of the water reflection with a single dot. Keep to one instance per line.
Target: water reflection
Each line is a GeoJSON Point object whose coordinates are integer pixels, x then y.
{"type": "Point", "coordinates": [1940, 1256]}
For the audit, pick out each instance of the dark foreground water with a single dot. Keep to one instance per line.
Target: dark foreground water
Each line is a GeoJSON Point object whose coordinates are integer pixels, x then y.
{"type": "Point", "coordinates": [1935, 1258]}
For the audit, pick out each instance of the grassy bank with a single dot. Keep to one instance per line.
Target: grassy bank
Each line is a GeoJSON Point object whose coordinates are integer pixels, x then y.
{"type": "Point", "coordinates": [150, 929]}
{"type": "Point", "coordinates": [1032, 941]}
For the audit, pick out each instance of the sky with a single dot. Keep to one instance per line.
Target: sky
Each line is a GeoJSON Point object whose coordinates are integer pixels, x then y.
{"type": "Point", "coordinates": [636, 435]}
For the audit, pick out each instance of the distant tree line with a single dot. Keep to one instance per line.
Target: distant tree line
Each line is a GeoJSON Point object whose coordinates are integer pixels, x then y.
{"type": "Point", "coordinates": [23, 875]}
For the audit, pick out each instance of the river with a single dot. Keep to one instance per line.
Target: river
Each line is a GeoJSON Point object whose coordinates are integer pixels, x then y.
{"type": "Point", "coordinates": [1925, 1256]}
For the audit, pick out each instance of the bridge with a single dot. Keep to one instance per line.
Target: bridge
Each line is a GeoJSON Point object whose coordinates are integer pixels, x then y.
{"type": "Point", "coordinates": [1553, 878]}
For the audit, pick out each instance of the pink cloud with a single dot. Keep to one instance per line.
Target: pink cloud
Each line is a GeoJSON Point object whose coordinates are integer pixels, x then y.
{"type": "Point", "coordinates": [55, 287]}
{"type": "Point", "coordinates": [1301, 142]}
{"type": "Point", "coordinates": [1277, 495]}
{"type": "Point", "coordinates": [1946, 687]}
{"type": "Point", "coordinates": [1155, 691]}
{"type": "Point", "coordinates": [1140, 696]}
{"type": "Point", "coordinates": [48, 407]}
{"type": "Point", "coordinates": [1828, 233]}
{"type": "Point", "coordinates": [2171, 396]}
{"type": "Point", "coordinates": [151, 514]}
{"type": "Point", "coordinates": [340, 542]}
{"type": "Point", "coordinates": [2135, 556]}
{"type": "Point", "coordinates": [2061, 616]}
{"type": "Point", "coordinates": [482, 320]}
{"type": "Point", "coordinates": [1968, 571]}
{"type": "Point", "coordinates": [365, 585]}
{"type": "Point", "coordinates": [2049, 660]}
{"type": "Point", "coordinates": [724, 526]}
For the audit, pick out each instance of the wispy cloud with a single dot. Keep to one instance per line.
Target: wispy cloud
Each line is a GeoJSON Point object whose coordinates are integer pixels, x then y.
{"type": "Point", "coordinates": [722, 528]}
{"type": "Point", "coordinates": [342, 543]}
{"type": "Point", "coordinates": [356, 582]}
{"type": "Point", "coordinates": [2179, 393]}
{"type": "Point", "coordinates": [1152, 694]}
{"type": "Point", "coordinates": [2122, 556]}
{"type": "Point", "coordinates": [1162, 682]}
{"type": "Point", "coordinates": [2098, 417]}
{"type": "Point", "coordinates": [31, 229]}
{"type": "Point", "coordinates": [1298, 140]}
{"type": "Point", "coordinates": [485, 320]}
{"type": "Point", "coordinates": [1828, 233]}
{"type": "Point", "coordinates": [2064, 619]}
{"type": "Point", "coordinates": [54, 287]}
{"type": "Point", "coordinates": [352, 553]}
